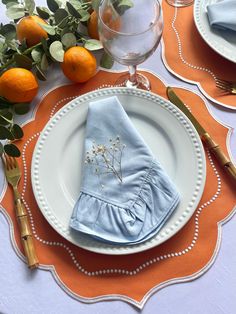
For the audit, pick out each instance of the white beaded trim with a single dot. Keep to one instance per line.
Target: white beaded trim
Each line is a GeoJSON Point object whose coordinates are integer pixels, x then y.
{"type": "Point", "coordinates": [180, 50]}
{"type": "Point", "coordinates": [73, 97]}
{"type": "Point", "coordinates": [115, 271]}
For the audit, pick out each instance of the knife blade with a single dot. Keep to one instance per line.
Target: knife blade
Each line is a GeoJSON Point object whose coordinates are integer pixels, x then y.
{"type": "Point", "coordinates": [213, 147]}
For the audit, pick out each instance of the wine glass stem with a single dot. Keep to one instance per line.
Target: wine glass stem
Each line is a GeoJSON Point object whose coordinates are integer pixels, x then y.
{"type": "Point", "coordinates": [133, 75]}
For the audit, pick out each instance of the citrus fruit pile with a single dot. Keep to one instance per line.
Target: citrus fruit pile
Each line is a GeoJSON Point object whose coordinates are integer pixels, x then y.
{"type": "Point", "coordinates": [79, 65]}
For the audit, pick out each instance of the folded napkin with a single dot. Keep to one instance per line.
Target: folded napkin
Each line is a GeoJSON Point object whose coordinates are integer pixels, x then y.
{"type": "Point", "coordinates": [125, 195]}
{"type": "Point", "coordinates": [222, 15]}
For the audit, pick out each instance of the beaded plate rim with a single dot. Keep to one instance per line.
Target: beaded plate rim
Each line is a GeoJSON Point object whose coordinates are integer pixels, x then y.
{"type": "Point", "coordinates": [221, 48]}
{"type": "Point", "coordinates": [165, 233]}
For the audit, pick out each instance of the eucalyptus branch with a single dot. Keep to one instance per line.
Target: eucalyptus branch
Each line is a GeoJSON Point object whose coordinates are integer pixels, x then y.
{"type": "Point", "coordinates": [61, 22]}
{"type": "Point", "coordinates": [26, 52]}
{"type": "Point", "coordinates": [6, 65]}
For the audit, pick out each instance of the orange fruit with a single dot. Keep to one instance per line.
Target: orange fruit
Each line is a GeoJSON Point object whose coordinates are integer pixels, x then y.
{"type": "Point", "coordinates": [111, 19]}
{"type": "Point", "coordinates": [93, 25]}
{"type": "Point", "coordinates": [79, 65]}
{"type": "Point", "coordinates": [18, 85]}
{"type": "Point", "coordinates": [29, 29]}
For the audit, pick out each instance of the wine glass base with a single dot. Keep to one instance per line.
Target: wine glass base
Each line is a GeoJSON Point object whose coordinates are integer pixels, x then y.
{"type": "Point", "coordinates": [141, 83]}
{"type": "Point", "coordinates": [180, 3]}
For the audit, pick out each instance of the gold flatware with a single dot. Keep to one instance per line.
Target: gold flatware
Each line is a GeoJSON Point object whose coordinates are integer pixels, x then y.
{"type": "Point", "coordinates": [13, 175]}
{"type": "Point", "coordinates": [213, 147]}
{"type": "Point", "coordinates": [227, 86]}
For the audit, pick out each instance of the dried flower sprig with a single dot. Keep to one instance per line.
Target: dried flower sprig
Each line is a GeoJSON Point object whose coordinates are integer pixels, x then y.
{"type": "Point", "coordinates": [107, 159]}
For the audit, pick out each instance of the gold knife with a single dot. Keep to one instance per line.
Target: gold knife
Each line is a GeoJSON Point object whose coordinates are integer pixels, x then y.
{"type": "Point", "coordinates": [213, 147]}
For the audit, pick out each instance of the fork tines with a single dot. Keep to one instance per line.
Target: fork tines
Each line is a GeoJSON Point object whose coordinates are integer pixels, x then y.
{"type": "Point", "coordinates": [10, 162]}
{"type": "Point", "coordinates": [224, 85]}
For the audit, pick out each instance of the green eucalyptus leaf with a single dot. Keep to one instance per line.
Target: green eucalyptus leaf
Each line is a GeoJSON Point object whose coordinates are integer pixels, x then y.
{"type": "Point", "coordinates": [127, 3]}
{"type": "Point", "coordinates": [4, 105]}
{"type": "Point", "coordinates": [75, 9]}
{"type": "Point", "coordinates": [40, 75]}
{"type": "Point", "coordinates": [5, 133]}
{"type": "Point", "coordinates": [65, 30]}
{"type": "Point", "coordinates": [60, 2]}
{"type": "Point", "coordinates": [95, 4]}
{"type": "Point", "coordinates": [3, 121]}
{"type": "Point", "coordinates": [12, 150]}
{"type": "Point", "coordinates": [30, 6]}
{"type": "Point", "coordinates": [106, 61]}
{"type": "Point", "coordinates": [15, 12]}
{"type": "Point", "coordinates": [43, 12]}
{"type": "Point", "coordinates": [17, 131]}
{"type": "Point", "coordinates": [6, 117]}
{"type": "Point", "coordinates": [48, 28]}
{"type": "Point", "coordinates": [60, 15]}
{"type": "Point", "coordinates": [44, 63]}
{"type": "Point", "coordinates": [13, 44]}
{"type": "Point", "coordinates": [8, 31]}
{"type": "Point", "coordinates": [11, 3]}
{"type": "Point", "coordinates": [68, 40]}
{"type": "Point", "coordinates": [1, 149]}
{"type": "Point", "coordinates": [72, 10]}
{"type": "Point", "coordinates": [4, 111]}
{"type": "Point", "coordinates": [23, 61]}
{"type": "Point", "coordinates": [52, 5]}
{"type": "Point", "coordinates": [7, 1]}
{"type": "Point", "coordinates": [4, 100]}
{"type": "Point", "coordinates": [122, 5]}
{"type": "Point", "coordinates": [3, 46]}
{"type": "Point", "coordinates": [76, 4]}
{"type": "Point", "coordinates": [56, 51]}
{"type": "Point", "coordinates": [82, 12]}
{"type": "Point", "coordinates": [21, 108]}
{"type": "Point", "coordinates": [85, 16]}
{"type": "Point", "coordinates": [64, 22]}
{"type": "Point", "coordinates": [45, 46]}
{"type": "Point", "coordinates": [36, 54]}
{"type": "Point", "coordinates": [93, 44]}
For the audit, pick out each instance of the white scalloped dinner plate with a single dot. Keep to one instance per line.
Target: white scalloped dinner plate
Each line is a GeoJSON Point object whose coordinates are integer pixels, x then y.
{"type": "Point", "coordinates": [57, 162]}
{"type": "Point", "coordinates": [222, 42]}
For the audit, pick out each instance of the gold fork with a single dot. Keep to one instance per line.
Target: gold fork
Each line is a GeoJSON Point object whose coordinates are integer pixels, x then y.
{"type": "Point", "coordinates": [13, 175]}
{"type": "Point", "coordinates": [227, 86]}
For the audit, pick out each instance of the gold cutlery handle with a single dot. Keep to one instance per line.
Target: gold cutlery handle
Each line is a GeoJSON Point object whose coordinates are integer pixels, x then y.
{"type": "Point", "coordinates": [215, 149]}
{"type": "Point", "coordinates": [25, 232]}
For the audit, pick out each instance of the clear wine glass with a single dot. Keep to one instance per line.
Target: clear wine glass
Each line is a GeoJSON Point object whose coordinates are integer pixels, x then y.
{"type": "Point", "coordinates": [130, 34]}
{"type": "Point", "coordinates": [180, 3]}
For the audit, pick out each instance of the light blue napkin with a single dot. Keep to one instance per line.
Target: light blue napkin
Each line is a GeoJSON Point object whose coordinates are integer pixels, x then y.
{"type": "Point", "coordinates": [222, 15]}
{"type": "Point", "coordinates": [125, 195]}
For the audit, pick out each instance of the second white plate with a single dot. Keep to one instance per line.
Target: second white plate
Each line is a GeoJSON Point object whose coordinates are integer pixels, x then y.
{"type": "Point", "coordinates": [57, 162]}
{"type": "Point", "coordinates": [222, 42]}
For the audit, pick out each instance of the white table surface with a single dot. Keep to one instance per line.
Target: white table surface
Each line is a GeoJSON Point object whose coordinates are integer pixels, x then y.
{"type": "Point", "coordinates": [26, 292]}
